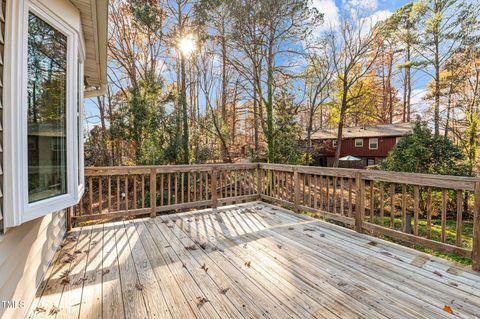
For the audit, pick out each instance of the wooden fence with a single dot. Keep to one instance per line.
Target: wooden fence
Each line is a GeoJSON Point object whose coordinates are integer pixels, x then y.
{"type": "Point", "coordinates": [413, 208]}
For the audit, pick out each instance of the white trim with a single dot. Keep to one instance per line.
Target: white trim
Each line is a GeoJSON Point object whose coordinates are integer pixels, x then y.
{"type": "Point", "coordinates": [370, 140]}
{"type": "Point", "coordinates": [359, 139]}
{"type": "Point", "coordinates": [17, 208]}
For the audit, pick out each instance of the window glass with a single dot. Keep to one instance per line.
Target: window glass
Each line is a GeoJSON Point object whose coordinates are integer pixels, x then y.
{"type": "Point", "coordinates": [359, 142]}
{"type": "Point", "coordinates": [373, 143]}
{"type": "Point", "coordinates": [46, 123]}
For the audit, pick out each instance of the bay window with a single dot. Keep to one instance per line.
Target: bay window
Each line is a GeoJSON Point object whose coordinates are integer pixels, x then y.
{"type": "Point", "coordinates": [43, 167]}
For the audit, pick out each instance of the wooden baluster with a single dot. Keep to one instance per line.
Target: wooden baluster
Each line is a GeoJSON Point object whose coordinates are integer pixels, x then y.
{"type": "Point", "coordinates": [90, 195]}
{"type": "Point", "coordinates": [100, 195]}
{"type": "Point", "coordinates": [109, 201]}
{"type": "Point", "coordinates": [143, 191]}
{"type": "Point", "coordinates": [214, 188]}
{"type": "Point", "coordinates": [459, 226]}
{"type": "Point", "coordinates": [315, 192]}
{"type": "Point", "coordinates": [195, 186]}
{"type": "Point", "coordinates": [200, 185]}
{"type": "Point", "coordinates": [182, 183]}
{"type": "Point", "coordinates": [134, 192]}
{"type": "Point", "coordinates": [175, 181]}
{"type": "Point", "coordinates": [126, 192]}
{"type": "Point", "coordinates": [162, 183]}
{"type": "Point", "coordinates": [321, 192]}
{"type": "Point", "coordinates": [372, 202]}
{"type": "Point", "coordinates": [206, 186]}
{"type": "Point", "coordinates": [327, 193]}
{"type": "Point", "coordinates": [392, 206]}
{"type": "Point", "coordinates": [416, 208]}
{"type": "Point", "coordinates": [382, 203]}
{"type": "Point", "coordinates": [169, 189]}
{"type": "Point", "coordinates": [188, 187]}
{"type": "Point", "coordinates": [118, 192]}
{"type": "Point", "coordinates": [235, 187]}
{"type": "Point", "coordinates": [444, 215]}
{"type": "Point", "coordinates": [342, 212]}
{"type": "Point", "coordinates": [153, 192]}
{"type": "Point", "coordinates": [404, 208]}
{"type": "Point", "coordinates": [334, 195]}
{"type": "Point", "coordinates": [296, 187]}
{"type": "Point", "coordinates": [429, 212]}
{"type": "Point", "coordinates": [350, 201]}
{"type": "Point", "coordinates": [80, 207]}
{"type": "Point", "coordinates": [220, 184]}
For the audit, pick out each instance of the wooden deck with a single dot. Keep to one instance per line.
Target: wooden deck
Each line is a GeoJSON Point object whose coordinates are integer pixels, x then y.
{"type": "Point", "coordinates": [247, 261]}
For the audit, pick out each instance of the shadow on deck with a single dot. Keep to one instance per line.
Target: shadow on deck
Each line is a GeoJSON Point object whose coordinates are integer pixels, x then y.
{"type": "Point", "coordinates": [247, 261]}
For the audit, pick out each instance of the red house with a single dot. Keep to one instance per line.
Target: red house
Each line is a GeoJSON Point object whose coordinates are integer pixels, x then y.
{"type": "Point", "coordinates": [369, 143]}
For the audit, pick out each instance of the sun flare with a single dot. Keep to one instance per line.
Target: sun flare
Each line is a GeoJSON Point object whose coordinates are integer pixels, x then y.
{"type": "Point", "coordinates": [187, 45]}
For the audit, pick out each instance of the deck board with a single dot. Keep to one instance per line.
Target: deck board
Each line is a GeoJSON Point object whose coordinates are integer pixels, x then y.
{"type": "Point", "coordinates": [248, 261]}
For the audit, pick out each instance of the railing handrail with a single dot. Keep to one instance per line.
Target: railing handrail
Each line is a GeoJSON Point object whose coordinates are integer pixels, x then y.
{"type": "Point", "coordinates": [432, 180]}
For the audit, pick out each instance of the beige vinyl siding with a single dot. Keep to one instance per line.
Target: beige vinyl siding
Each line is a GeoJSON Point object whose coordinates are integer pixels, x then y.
{"type": "Point", "coordinates": [25, 254]}
{"type": "Point", "coordinates": [2, 51]}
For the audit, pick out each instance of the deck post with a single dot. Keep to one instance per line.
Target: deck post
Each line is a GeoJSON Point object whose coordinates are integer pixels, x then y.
{"type": "Point", "coordinates": [476, 229]}
{"type": "Point", "coordinates": [296, 189]}
{"type": "Point", "coordinates": [259, 181]}
{"type": "Point", "coordinates": [153, 192]}
{"type": "Point", "coordinates": [359, 202]}
{"type": "Point", "coordinates": [214, 188]}
{"type": "Point", "coordinates": [69, 218]}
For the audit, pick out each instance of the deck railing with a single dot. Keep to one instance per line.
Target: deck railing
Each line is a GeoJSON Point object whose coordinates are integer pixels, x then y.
{"type": "Point", "coordinates": [441, 213]}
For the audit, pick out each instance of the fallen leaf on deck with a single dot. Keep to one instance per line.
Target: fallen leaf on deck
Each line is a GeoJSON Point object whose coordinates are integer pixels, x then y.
{"type": "Point", "coordinates": [386, 253]}
{"type": "Point", "coordinates": [342, 284]}
{"type": "Point", "coordinates": [372, 243]}
{"type": "Point", "coordinates": [448, 309]}
{"type": "Point", "coordinates": [139, 286]}
{"type": "Point", "coordinates": [308, 235]}
{"type": "Point", "coordinates": [170, 226]}
{"type": "Point", "coordinates": [322, 235]}
{"type": "Point", "coordinates": [290, 228]}
{"type": "Point", "coordinates": [308, 229]}
{"type": "Point", "coordinates": [203, 246]}
{"type": "Point", "coordinates": [192, 247]}
{"type": "Point", "coordinates": [454, 284]}
{"type": "Point", "coordinates": [65, 281]}
{"type": "Point", "coordinates": [224, 291]}
{"type": "Point", "coordinates": [53, 311]}
{"type": "Point", "coordinates": [201, 301]}
{"type": "Point", "coordinates": [40, 309]}
{"type": "Point", "coordinates": [247, 263]}
{"type": "Point", "coordinates": [81, 280]}
{"type": "Point", "coordinates": [106, 271]}
{"type": "Point", "coordinates": [279, 246]}
{"type": "Point", "coordinates": [437, 273]}
{"type": "Point", "coordinates": [204, 267]}
{"type": "Point", "coordinates": [164, 221]}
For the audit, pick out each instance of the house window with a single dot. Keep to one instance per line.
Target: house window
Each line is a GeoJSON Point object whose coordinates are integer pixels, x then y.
{"type": "Point", "coordinates": [370, 161]}
{"type": "Point", "coordinates": [46, 117]}
{"type": "Point", "coordinates": [42, 111]}
{"type": "Point", "coordinates": [334, 143]}
{"type": "Point", "coordinates": [373, 143]}
{"type": "Point", "coordinates": [359, 142]}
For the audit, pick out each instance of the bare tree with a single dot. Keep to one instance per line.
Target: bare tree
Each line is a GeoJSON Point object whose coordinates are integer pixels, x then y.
{"type": "Point", "coordinates": [352, 58]}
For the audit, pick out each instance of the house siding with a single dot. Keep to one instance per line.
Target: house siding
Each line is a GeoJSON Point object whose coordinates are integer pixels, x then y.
{"type": "Point", "coordinates": [25, 254]}
{"type": "Point", "coordinates": [2, 51]}
{"type": "Point", "coordinates": [385, 144]}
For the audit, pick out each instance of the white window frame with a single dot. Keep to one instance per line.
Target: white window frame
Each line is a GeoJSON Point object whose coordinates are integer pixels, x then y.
{"type": "Point", "coordinates": [359, 139]}
{"type": "Point", "coordinates": [17, 207]}
{"type": "Point", "coordinates": [370, 140]}
{"type": "Point", "coordinates": [334, 143]}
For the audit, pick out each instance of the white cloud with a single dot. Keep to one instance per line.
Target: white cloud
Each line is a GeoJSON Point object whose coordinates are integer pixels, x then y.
{"type": "Point", "coordinates": [363, 5]}
{"type": "Point", "coordinates": [331, 16]}
{"type": "Point", "coordinates": [369, 22]}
